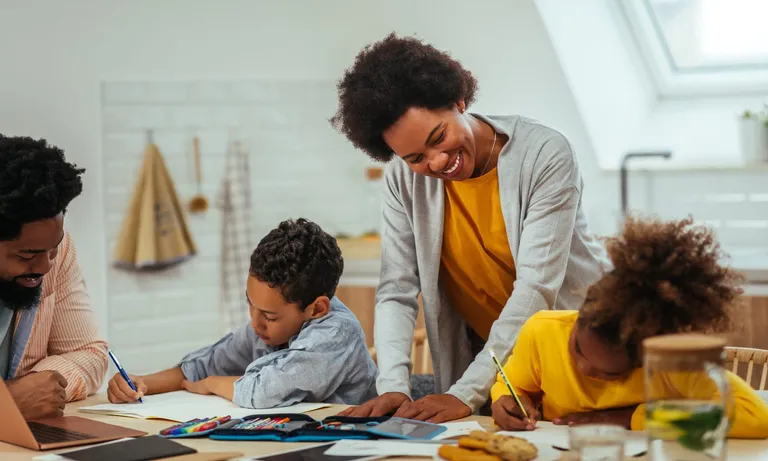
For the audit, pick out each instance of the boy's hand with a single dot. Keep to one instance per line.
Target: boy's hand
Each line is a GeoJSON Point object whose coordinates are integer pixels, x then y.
{"type": "Point", "coordinates": [508, 416]}
{"type": "Point", "coordinates": [380, 406]}
{"type": "Point", "coordinates": [119, 391]}
{"type": "Point", "coordinates": [198, 387]}
{"type": "Point", "coordinates": [436, 408]}
{"type": "Point", "coordinates": [620, 416]}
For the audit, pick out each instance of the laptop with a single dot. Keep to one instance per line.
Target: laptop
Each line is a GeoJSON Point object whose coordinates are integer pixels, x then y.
{"type": "Point", "coordinates": [53, 433]}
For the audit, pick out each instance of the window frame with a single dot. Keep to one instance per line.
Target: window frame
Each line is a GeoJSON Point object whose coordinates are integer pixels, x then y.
{"type": "Point", "coordinates": [672, 82]}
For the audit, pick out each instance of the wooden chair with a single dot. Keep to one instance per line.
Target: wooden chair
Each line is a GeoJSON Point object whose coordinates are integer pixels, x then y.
{"type": "Point", "coordinates": [752, 357]}
{"type": "Point", "coordinates": [420, 355]}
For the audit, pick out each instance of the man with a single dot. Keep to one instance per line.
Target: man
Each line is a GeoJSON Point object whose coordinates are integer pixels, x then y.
{"type": "Point", "coordinates": [50, 350]}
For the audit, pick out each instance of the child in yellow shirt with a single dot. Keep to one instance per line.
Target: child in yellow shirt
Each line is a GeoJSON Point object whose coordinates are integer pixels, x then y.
{"type": "Point", "coordinates": [585, 366]}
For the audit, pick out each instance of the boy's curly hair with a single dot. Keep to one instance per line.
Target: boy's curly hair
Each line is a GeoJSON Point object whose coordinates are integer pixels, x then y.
{"type": "Point", "coordinates": [300, 259]}
{"type": "Point", "coordinates": [389, 77]}
{"type": "Point", "coordinates": [36, 183]}
{"type": "Point", "coordinates": [667, 277]}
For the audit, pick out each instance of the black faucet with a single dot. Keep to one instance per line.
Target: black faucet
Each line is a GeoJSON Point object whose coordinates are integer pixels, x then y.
{"type": "Point", "coordinates": [664, 154]}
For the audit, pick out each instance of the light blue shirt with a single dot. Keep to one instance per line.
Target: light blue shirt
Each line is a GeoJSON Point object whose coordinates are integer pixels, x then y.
{"type": "Point", "coordinates": [328, 361]}
{"type": "Point", "coordinates": [6, 315]}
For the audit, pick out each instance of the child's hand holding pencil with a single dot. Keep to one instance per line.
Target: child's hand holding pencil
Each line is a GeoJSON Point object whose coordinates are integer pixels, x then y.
{"type": "Point", "coordinates": [508, 415]}
{"type": "Point", "coordinates": [514, 412]}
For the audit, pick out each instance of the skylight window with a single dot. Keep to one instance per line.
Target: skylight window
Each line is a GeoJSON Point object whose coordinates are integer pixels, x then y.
{"type": "Point", "coordinates": [703, 46]}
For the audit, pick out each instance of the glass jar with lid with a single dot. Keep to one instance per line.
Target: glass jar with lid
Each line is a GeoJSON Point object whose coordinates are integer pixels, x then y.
{"type": "Point", "coordinates": [689, 406]}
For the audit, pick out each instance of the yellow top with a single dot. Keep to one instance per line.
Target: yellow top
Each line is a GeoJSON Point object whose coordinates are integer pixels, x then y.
{"type": "Point", "coordinates": [477, 270]}
{"type": "Point", "coordinates": [541, 367]}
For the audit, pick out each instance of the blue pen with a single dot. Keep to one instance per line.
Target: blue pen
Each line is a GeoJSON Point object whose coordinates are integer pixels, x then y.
{"type": "Point", "coordinates": [123, 373]}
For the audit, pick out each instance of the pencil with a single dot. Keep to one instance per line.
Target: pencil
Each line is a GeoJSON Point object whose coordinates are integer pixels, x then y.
{"type": "Point", "coordinates": [506, 381]}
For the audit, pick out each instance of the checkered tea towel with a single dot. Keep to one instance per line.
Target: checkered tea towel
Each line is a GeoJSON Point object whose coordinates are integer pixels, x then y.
{"type": "Point", "coordinates": [234, 201]}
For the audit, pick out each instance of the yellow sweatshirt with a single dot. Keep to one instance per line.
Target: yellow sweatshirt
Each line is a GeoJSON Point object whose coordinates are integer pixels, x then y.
{"type": "Point", "coordinates": [541, 367]}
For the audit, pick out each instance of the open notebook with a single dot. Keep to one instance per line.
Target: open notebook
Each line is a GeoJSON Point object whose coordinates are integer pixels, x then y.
{"type": "Point", "coordinates": [183, 406]}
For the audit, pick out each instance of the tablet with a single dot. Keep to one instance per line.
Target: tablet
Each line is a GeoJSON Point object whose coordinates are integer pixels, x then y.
{"type": "Point", "coordinates": [316, 453]}
{"type": "Point", "coordinates": [400, 428]}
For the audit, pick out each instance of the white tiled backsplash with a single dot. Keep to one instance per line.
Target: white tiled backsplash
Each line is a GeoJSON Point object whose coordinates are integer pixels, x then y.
{"type": "Point", "coordinates": [733, 202]}
{"type": "Point", "coordinates": [300, 166]}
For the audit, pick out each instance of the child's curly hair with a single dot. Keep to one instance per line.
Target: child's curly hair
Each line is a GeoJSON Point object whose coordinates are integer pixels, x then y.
{"type": "Point", "coordinates": [300, 259]}
{"type": "Point", "coordinates": [667, 277]}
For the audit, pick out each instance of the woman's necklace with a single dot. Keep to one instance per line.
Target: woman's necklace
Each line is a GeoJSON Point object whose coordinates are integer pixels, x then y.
{"type": "Point", "coordinates": [490, 154]}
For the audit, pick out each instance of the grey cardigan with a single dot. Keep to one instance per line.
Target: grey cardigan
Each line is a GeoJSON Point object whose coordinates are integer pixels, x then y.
{"type": "Point", "coordinates": [556, 259]}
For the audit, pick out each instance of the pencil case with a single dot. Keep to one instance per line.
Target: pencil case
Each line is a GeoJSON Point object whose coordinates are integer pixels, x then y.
{"type": "Point", "coordinates": [303, 428]}
{"type": "Point", "coordinates": [299, 428]}
{"type": "Point", "coordinates": [197, 427]}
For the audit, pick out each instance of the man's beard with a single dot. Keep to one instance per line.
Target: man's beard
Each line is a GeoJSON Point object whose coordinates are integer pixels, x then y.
{"type": "Point", "coordinates": [18, 297]}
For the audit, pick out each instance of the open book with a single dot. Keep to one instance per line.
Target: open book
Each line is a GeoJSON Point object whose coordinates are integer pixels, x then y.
{"type": "Point", "coordinates": [181, 406]}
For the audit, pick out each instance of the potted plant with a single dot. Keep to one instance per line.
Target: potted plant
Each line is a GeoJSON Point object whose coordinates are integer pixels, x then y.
{"type": "Point", "coordinates": [753, 136]}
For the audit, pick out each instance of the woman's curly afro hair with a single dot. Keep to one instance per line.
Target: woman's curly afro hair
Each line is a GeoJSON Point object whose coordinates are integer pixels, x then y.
{"type": "Point", "coordinates": [389, 77]}
{"type": "Point", "coordinates": [667, 277]}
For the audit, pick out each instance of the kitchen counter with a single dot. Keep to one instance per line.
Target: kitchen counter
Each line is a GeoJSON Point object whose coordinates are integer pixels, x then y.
{"type": "Point", "coordinates": [753, 263]}
{"type": "Point", "coordinates": [362, 261]}
{"type": "Point", "coordinates": [362, 264]}
{"type": "Point", "coordinates": [360, 280]}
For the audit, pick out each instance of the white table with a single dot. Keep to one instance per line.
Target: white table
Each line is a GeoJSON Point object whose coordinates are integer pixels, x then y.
{"type": "Point", "coordinates": [741, 450]}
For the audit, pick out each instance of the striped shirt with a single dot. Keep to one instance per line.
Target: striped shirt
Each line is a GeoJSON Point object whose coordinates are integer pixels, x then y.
{"type": "Point", "coordinates": [61, 332]}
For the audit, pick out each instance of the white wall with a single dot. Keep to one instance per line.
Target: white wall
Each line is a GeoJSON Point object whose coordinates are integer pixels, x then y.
{"type": "Point", "coordinates": [298, 164]}
{"type": "Point", "coordinates": [56, 54]}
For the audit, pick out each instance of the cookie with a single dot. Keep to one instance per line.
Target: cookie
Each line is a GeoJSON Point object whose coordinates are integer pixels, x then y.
{"type": "Point", "coordinates": [472, 443]}
{"type": "Point", "coordinates": [481, 435]}
{"type": "Point", "coordinates": [454, 453]}
{"type": "Point", "coordinates": [512, 448]}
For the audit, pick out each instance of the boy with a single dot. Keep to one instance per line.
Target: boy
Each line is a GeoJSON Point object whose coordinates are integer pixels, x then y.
{"type": "Point", "coordinates": [585, 366]}
{"type": "Point", "coordinates": [302, 344]}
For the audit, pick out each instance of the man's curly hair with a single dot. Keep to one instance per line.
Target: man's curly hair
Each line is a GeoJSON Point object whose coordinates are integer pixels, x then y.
{"type": "Point", "coordinates": [36, 182]}
{"type": "Point", "coordinates": [300, 259]}
{"type": "Point", "coordinates": [389, 77]}
{"type": "Point", "coordinates": [667, 277]}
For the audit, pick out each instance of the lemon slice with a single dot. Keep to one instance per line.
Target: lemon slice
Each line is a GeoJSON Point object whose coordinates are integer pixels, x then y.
{"type": "Point", "coordinates": [670, 414]}
{"type": "Point", "coordinates": [662, 430]}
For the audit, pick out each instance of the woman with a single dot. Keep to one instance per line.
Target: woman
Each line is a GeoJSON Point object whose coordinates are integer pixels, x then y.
{"type": "Point", "coordinates": [482, 215]}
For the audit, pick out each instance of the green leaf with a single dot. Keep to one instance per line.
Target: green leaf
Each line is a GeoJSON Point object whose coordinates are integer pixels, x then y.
{"type": "Point", "coordinates": [693, 440]}
{"type": "Point", "coordinates": [704, 421]}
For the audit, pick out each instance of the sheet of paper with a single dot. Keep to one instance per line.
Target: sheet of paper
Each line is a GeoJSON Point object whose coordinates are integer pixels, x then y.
{"type": "Point", "coordinates": [545, 433]}
{"type": "Point", "coordinates": [386, 448]}
{"type": "Point", "coordinates": [183, 406]}
{"type": "Point", "coordinates": [382, 448]}
{"type": "Point", "coordinates": [459, 429]}
{"type": "Point", "coordinates": [549, 434]}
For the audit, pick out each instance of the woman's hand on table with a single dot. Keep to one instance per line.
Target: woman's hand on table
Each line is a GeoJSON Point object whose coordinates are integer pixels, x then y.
{"type": "Point", "coordinates": [436, 408]}
{"type": "Point", "coordinates": [382, 405]}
